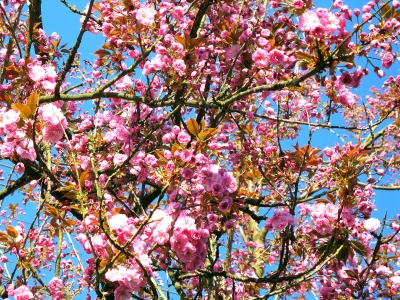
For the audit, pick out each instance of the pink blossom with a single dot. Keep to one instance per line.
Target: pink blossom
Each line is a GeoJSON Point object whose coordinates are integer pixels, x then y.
{"type": "Point", "coordinates": [212, 218]}
{"type": "Point", "coordinates": [298, 4]}
{"type": "Point", "coordinates": [170, 166]}
{"type": "Point", "coordinates": [147, 69]}
{"type": "Point", "coordinates": [276, 57]}
{"type": "Point", "coordinates": [52, 115]}
{"type": "Point", "coordinates": [157, 62]}
{"type": "Point", "coordinates": [7, 149]}
{"type": "Point", "coordinates": [83, 240]}
{"type": "Point", "coordinates": [48, 85]}
{"type": "Point", "coordinates": [53, 133]}
{"type": "Point", "coordinates": [23, 293]}
{"type": "Point", "coordinates": [338, 4]}
{"type": "Point", "coordinates": [185, 222]}
{"type": "Point", "coordinates": [145, 15]}
{"type": "Point", "coordinates": [379, 72]}
{"type": "Point", "coordinates": [186, 173]}
{"type": "Point", "coordinates": [365, 17]}
{"type": "Point", "coordinates": [395, 281]}
{"type": "Point", "coordinates": [186, 253]}
{"type": "Point", "coordinates": [183, 137]}
{"type": "Point", "coordinates": [160, 237]}
{"type": "Point", "coordinates": [36, 72]}
{"type": "Point", "coordinates": [280, 220]}
{"type": "Point", "coordinates": [178, 13]}
{"type": "Point", "coordinates": [372, 224]}
{"type": "Point", "coordinates": [225, 205]}
{"type": "Point", "coordinates": [11, 117]}
{"type": "Point", "coordinates": [123, 292]}
{"type": "Point", "coordinates": [186, 155]}
{"type": "Point", "coordinates": [118, 221]}
{"type": "Point", "coordinates": [124, 83]}
{"type": "Point", "coordinates": [387, 60]}
{"type": "Point", "coordinates": [330, 23]}
{"type": "Point", "coordinates": [55, 284]}
{"type": "Point", "coordinates": [151, 160]}
{"type": "Point", "coordinates": [119, 159]}
{"type": "Point", "coordinates": [178, 241]}
{"type": "Point", "coordinates": [116, 274]}
{"type": "Point", "coordinates": [309, 21]}
{"type": "Point", "coordinates": [322, 226]}
{"type": "Point", "coordinates": [231, 52]}
{"type": "Point", "coordinates": [229, 182]}
{"type": "Point", "coordinates": [99, 242]}
{"type": "Point", "coordinates": [26, 150]}
{"type": "Point", "coordinates": [383, 270]}
{"type": "Point", "coordinates": [20, 168]}
{"type": "Point", "coordinates": [346, 12]}
{"type": "Point", "coordinates": [260, 58]}
{"type": "Point", "coordinates": [179, 66]}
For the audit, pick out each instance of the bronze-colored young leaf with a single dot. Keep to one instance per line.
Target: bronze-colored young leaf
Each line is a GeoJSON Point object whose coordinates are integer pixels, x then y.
{"type": "Point", "coordinates": [351, 273]}
{"type": "Point", "coordinates": [12, 232]}
{"type": "Point", "coordinates": [5, 98]}
{"type": "Point", "coordinates": [208, 133]}
{"type": "Point", "coordinates": [184, 41]}
{"type": "Point", "coordinates": [24, 110]}
{"type": "Point", "coordinates": [305, 56]}
{"type": "Point", "coordinates": [32, 102]}
{"type": "Point", "coordinates": [4, 238]}
{"type": "Point", "coordinates": [84, 175]}
{"type": "Point", "coordinates": [12, 72]}
{"type": "Point", "coordinates": [101, 52]}
{"type": "Point", "coordinates": [331, 198]}
{"type": "Point", "coordinates": [193, 127]}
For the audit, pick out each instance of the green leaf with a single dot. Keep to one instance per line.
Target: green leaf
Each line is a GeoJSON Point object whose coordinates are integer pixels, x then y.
{"type": "Point", "coordinates": [343, 254]}
{"type": "Point", "coordinates": [359, 248]}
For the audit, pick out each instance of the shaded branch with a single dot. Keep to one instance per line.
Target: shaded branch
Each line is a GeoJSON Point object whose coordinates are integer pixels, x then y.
{"type": "Point", "coordinates": [29, 175]}
{"type": "Point", "coordinates": [35, 22]}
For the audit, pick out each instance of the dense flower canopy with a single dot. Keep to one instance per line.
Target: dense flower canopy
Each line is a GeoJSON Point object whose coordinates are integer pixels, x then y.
{"type": "Point", "coordinates": [185, 155]}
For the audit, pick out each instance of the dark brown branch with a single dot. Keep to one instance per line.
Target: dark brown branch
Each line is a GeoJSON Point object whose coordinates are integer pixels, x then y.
{"type": "Point", "coordinates": [35, 22]}
{"type": "Point", "coordinates": [199, 18]}
{"type": "Point", "coordinates": [29, 175]}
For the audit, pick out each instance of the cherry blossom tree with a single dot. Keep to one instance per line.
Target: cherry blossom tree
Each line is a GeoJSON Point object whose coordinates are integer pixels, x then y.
{"type": "Point", "coordinates": [207, 150]}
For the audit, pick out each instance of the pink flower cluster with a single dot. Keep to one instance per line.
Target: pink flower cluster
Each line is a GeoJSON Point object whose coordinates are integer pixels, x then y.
{"type": "Point", "coordinates": [128, 276]}
{"type": "Point", "coordinates": [280, 220]}
{"type": "Point", "coordinates": [20, 293]}
{"type": "Point", "coordinates": [189, 243]}
{"type": "Point", "coordinates": [372, 224]}
{"type": "Point", "coordinates": [15, 142]}
{"type": "Point", "coordinates": [55, 121]}
{"type": "Point", "coordinates": [320, 22]}
{"type": "Point", "coordinates": [55, 286]}
{"type": "Point", "coordinates": [44, 76]}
